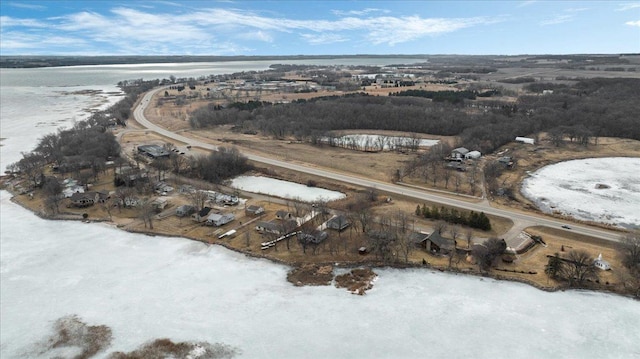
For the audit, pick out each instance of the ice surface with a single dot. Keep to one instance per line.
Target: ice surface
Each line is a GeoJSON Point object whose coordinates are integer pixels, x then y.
{"type": "Point", "coordinates": [284, 189]}
{"type": "Point", "coordinates": [571, 188]}
{"type": "Point", "coordinates": [388, 142]}
{"type": "Point", "coordinates": [145, 288]}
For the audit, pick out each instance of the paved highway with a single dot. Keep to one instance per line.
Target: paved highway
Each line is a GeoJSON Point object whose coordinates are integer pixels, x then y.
{"type": "Point", "coordinates": [522, 218]}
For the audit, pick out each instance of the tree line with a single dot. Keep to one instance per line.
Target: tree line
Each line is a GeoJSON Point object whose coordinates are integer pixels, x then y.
{"type": "Point", "coordinates": [467, 218]}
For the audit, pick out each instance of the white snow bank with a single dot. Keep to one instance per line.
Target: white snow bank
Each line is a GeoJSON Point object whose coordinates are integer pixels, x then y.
{"type": "Point", "coordinates": [572, 188]}
{"type": "Point", "coordinates": [284, 189]}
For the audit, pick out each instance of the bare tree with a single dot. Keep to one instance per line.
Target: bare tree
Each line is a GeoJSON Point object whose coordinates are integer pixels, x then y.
{"type": "Point", "coordinates": [146, 212]}
{"type": "Point", "coordinates": [446, 175]}
{"type": "Point", "coordinates": [364, 217]}
{"type": "Point", "coordinates": [578, 267]}
{"type": "Point", "coordinates": [455, 231]}
{"type": "Point", "coordinates": [468, 235]}
{"type": "Point", "coordinates": [198, 199]}
{"type": "Point", "coordinates": [440, 226]}
{"type": "Point", "coordinates": [629, 249]}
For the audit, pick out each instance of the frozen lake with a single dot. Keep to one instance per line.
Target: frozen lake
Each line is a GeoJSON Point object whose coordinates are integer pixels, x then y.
{"type": "Point", "coordinates": [604, 190]}
{"type": "Point", "coordinates": [145, 288]}
{"type": "Point", "coordinates": [284, 189]}
{"type": "Point", "coordinates": [153, 287]}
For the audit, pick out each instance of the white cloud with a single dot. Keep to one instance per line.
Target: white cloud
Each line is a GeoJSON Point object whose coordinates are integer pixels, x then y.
{"type": "Point", "coordinates": [558, 19]}
{"type": "Point", "coordinates": [136, 31]}
{"type": "Point", "coordinates": [6, 21]}
{"type": "Point", "coordinates": [527, 3]}
{"type": "Point", "coordinates": [28, 6]}
{"type": "Point", "coordinates": [628, 6]}
{"type": "Point", "coordinates": [321, 39]}
{"type": "Point", "coordinates": [633, 23]}
{"type": "Point", "coordinates": [259, 35]}
{"type": "Point", "coordinates": [579, 9]}
{"type": "Point", "coordinates": [359, 12]}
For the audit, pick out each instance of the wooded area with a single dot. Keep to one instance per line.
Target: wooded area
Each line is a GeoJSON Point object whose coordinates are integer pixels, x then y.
{"type": "Point", "coordinates": [585, 111]}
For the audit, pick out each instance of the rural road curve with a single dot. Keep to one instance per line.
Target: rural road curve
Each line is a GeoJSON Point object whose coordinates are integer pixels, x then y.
{"type": "Point", "coordinates": [518, 217]}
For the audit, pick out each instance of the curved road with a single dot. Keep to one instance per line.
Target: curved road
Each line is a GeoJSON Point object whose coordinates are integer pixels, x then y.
{"type": "Point", "coordinates": [524, 219]}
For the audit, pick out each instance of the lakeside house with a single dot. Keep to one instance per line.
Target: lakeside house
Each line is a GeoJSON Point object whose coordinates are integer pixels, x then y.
{"type": "Point", "coordinates": [268, 227]}
{"type": "Point", "coordinates": [254, 210]}
{"type": "Point", "coordinates": [459, 153]}
{"type": "Point", "coordinates": [338, 223]}
{"type": "Point", "coordinates": [84, 199]}
{"type": "Point", "coordinates": [185, 210]}
{"type": "Point", "coordinates": [434, 243]}
{"type": "Point", "coordinates": [282, 214]}
{"type": "Point", "coordinates": [217, 219]}
{"type": "Point", "coordinates": [153, 151]}
{"type": "Point", "coordinates": [201, 215]}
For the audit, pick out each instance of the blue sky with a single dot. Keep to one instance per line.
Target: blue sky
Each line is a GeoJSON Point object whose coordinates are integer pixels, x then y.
{"type": "Point", "coordinates": [317, 27]}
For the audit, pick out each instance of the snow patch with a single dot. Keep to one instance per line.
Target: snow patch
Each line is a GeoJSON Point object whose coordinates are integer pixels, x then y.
{"type": "Point", "coordinates": [284, 189]}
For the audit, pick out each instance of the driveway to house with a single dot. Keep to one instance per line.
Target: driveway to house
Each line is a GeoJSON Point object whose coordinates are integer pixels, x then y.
{"type": "Point", "coordinates": [521, 219]}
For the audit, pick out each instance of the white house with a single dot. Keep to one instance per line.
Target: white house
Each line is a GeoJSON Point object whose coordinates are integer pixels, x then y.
{"type": "Point", "coordinates": [601, 263]}
{"type": "Point", "coordinates": [528, 140]}
{"type": "Point", "coordinates": [459, 152]}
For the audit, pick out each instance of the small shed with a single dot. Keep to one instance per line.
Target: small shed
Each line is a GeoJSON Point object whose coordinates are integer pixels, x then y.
{"type": "Point", "coordinates": [601, 263]}
{"type": "Point", "coordinates": [473, 155]}
{"type": "Point", "coordinates": [527, 140]}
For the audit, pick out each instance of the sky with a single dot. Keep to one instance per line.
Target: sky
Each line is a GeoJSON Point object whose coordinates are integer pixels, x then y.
{"type": "Point", "coordinates": [229, 28]}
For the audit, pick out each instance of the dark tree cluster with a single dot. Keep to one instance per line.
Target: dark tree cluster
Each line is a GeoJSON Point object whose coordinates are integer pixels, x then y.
{"type": "Point", "coordinates": [471, 218]}
{"type": "Point", "coordinates": [86, 145]}
{"type": "Point", "coordinates": [577, 268]}
{"type": "Point", "coordinates": [219, 165]}
{"type": "Point", "coordinates": [454, 97]}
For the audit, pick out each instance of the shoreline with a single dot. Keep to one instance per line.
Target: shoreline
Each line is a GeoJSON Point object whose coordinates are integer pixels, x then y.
{"type": "Point", "coordinates": [373, 264]}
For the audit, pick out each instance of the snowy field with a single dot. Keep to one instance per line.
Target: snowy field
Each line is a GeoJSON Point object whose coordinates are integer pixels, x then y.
{"type": "Point", "coordinates": [145, 287]}
{"type": "Point", "coordinates": [284, 189]}
{"type": "Point", "coordinates": [604, 190]}
{"type": "Point", "coordinates": [378, 142]}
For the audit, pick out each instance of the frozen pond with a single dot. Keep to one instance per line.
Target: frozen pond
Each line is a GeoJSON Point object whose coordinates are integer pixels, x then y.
{"type": "Point", "coordinates": [604, 190]}
{"type": "Point", "coordinates": [379, 142]}
{"type": "Point", "coordinates": [284, 189]}
{"type": "Point", "coordinates": [145, 288]}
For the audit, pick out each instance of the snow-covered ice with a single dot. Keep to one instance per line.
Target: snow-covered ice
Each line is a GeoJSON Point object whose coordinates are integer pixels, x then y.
{"type": "Point", "coordinates": [571, 188]}
{"type": "Point", "coordinates": [284, 189]}
{"type": "Point", "coordinates": [145, 288]}
{"type": "Point", "coordinates": [365, 141]}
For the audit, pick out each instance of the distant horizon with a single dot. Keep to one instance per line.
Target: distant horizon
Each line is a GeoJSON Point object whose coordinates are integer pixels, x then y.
{"type": "Point", "coordinates": [323, 55]}
{"type": "Point", "coordinates": [314, 28]}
